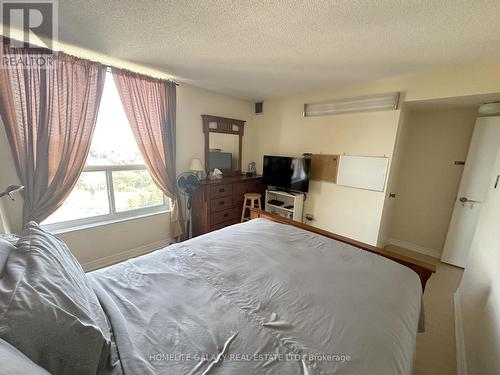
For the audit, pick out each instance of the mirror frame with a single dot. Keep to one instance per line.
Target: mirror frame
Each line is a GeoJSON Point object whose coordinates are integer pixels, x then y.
{"type": "Point", "coordinates": [224, 126]}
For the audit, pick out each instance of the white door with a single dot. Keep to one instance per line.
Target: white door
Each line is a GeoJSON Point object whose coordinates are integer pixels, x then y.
{"type": "Point", "coordinates": [476, 177]}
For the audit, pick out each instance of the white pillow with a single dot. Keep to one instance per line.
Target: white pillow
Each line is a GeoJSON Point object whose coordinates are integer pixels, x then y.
{"type": "Point", "coordinates": [5, 248]}
{"type": "Point", "coordinates": [48, 309]}
{"type": "Point", "coordinates": [14, 362]}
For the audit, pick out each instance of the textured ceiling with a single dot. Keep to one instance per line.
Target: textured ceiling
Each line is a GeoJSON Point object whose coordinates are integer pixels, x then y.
{"type": "Point", "coordinates": [257, 49]}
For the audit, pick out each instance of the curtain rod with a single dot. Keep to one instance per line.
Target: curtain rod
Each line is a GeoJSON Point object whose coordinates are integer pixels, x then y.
{"type": "Point", "coordinates": [108, 66]}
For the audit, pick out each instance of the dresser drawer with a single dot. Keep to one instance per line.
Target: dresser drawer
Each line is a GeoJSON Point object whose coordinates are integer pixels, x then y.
{"type": "Point", "coordinates": [224, 224]}
{"type": "Point", "coordinates": [218, 191]}
{"type": "Point", "coordinates": [221, 216]}
{"type": "Point", "coordinates": [220, 204]}
{"type": "Point", "coordinates": [217, 204]}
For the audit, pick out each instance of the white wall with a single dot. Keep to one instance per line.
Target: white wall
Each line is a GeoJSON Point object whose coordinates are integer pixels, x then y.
{"type": "Point", "coordinates": [480, 289]}
{"type": "Point", "coordinates": [428, 180]}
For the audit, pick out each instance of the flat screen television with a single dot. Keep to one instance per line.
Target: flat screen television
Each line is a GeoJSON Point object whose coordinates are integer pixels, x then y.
{"type": "Point", "coordinates": [287, 173]}
{"type": "Point", "coordinates": [220, 160]}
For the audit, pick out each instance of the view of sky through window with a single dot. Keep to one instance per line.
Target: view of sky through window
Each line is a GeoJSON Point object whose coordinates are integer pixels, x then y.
{"type": "Point", "coordinates": [113, 142]}
{"type": "Point", "coordinates": [106, 192]}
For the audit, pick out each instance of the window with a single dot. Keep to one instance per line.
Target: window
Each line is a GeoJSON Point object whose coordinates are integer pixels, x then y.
{"type": "Point", "coordinates": [115, 183]}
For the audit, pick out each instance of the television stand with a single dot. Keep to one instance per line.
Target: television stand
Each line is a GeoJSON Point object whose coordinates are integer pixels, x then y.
{"type": "Point", "coordinates": [292, 206]}
{"type": "Point", "coordinates": [285, 191]}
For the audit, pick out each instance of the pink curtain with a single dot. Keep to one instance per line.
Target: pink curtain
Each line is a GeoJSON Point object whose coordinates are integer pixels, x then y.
{"type": "Point", "coordinates": [49, 116]}
{"type": "Point", "coordinates": [150, 105]}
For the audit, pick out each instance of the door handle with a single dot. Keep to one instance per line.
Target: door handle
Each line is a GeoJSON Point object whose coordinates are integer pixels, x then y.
{"type": "Point", "coordinates": [466, 200]}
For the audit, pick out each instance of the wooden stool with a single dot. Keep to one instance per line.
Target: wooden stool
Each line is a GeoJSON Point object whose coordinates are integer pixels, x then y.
{"type": "Point", "coordinates": [252, 200]}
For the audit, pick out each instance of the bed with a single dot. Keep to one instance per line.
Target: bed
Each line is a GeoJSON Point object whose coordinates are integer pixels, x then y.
{"type": "Point", "coordinates": [263, 297]}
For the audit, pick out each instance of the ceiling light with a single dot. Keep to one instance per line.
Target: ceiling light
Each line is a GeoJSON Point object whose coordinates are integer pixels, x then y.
{"type": "Point", "coordinates": [489, 108]}
{"type": "Point", "coordinates": [380, 102]}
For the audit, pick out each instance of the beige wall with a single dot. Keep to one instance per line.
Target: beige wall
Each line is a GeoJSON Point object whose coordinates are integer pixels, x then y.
{"type": "Point", "coordinates": [356, 213]}
{"type": "Point", "coordinates": [427, 178]}
{"type": "Point", "coordinates": [192, 102]}
{"type": "Point", "coordinates": [479, 290]}
{"type": "Point", "coordinates": [108, 241]}
{"type": "Point", "coordinates": [447, 82]}
{"type": "Point", "coordinates": [282, 130]}
{"type": "Point", "coordinates": [12, 211]}
{"type": "Point", "coordinates": [94, 243]}
{"type": "Point", "coordinates": [393, 179]}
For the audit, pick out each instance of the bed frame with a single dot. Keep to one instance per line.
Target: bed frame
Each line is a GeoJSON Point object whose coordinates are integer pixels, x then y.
{"type": "Point", "coordinates": [423, 269]}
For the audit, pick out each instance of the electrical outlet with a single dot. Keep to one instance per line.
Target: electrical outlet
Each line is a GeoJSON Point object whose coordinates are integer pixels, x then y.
{"type": "Point", "coordinates": [309, 217]}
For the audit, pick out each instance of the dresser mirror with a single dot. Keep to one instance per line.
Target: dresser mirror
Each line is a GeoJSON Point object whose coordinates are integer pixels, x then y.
{"type": "Point", "coordinates": [223, 143]}
{"type": "Point", "coordinates": [223, 152]}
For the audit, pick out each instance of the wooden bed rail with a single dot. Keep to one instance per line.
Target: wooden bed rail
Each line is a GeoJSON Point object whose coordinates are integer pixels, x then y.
{"type": "Point", "coordinates": [423, 269]}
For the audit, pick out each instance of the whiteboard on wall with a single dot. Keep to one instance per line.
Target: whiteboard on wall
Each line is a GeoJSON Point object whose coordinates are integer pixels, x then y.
{"type": "Point", "coordinates": [363, 172]}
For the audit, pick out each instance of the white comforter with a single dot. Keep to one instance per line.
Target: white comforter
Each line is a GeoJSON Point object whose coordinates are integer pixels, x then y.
{"type": "Point", "coordinates": [262, 298]}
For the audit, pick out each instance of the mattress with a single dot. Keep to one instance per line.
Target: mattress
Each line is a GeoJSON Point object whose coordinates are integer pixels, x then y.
{"type": "Point", "coordinates": [262, 298]}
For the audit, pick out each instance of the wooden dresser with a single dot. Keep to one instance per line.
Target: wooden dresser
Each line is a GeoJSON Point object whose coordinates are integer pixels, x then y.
{"type": "Point", "coordinates": [217, 204]}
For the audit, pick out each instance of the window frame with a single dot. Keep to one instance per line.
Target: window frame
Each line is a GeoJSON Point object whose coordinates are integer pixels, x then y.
{"type": "Point", "coordinates": [112, 216]}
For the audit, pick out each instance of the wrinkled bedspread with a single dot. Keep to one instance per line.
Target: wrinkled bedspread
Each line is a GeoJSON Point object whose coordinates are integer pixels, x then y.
{"type": "Point", "coordinates": [262, 298]}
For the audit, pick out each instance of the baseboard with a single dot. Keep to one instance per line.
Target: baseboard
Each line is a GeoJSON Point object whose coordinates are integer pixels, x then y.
{"type": "Point", "coordinates": [124, 255]}
{"type": "Point", "coordinates": [413, 247]}
{"type": "Point", "coordinates": [459, 335]}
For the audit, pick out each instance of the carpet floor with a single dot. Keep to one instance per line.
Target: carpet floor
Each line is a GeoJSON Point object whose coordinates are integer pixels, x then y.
{"type": "Point", "coordinates": [436, 351]}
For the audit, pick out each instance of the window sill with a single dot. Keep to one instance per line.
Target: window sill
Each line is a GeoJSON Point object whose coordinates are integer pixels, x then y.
{"type": "Point", "coordinates": [79, 227]}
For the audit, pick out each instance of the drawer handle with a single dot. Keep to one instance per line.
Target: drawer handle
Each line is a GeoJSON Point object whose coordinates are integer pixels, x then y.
{"type": "Point", "coordinates": [221, 203]}
{"type": "Point", "coordinates": [226, 215]}
{"type": "Point", "coordinates": [221, 190]}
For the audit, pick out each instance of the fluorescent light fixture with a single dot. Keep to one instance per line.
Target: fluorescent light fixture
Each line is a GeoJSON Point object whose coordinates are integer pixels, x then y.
{"type": "Point", "coordinates": [489, 108]}
{"type": "Point", "coordinates": [379, 102]}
